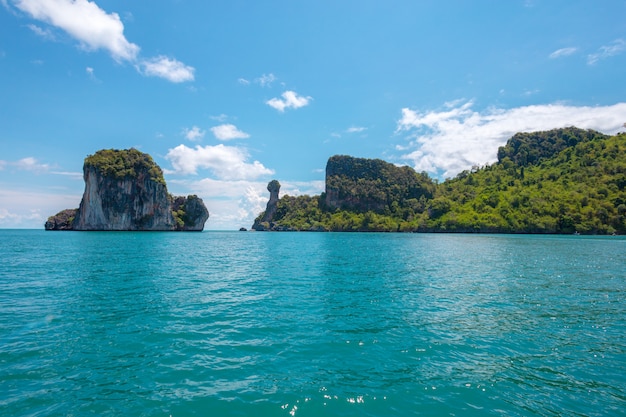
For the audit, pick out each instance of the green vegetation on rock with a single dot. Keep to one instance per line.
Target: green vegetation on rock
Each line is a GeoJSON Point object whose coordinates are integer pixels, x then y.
{"type": "Point", "coordinates": [560, 181]}
{"type": "Point", "coordinates": [126, 163]}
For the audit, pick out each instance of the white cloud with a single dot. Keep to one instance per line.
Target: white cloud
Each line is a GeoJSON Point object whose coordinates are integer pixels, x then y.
{"type": "Point", "coordinates": [219, 118]}
{"type": "Point", "coordinates": [290, 99]}
{"type": "Point", "coordinates": [72, 175]}
{"type": "Point", "coordinates": [228, 132]}
{"type": "Point", "coordinates": [559, 53]}
{"type": "Point", "coordinates": [194, 134]}
{"type": "Point", "coordinates": [17, 219]}
{"type": "Point", "coordinates": [528, 93]}
{"type": "Point", "coordinates": [31, 164]}
{"type": "Point", "coordinates": [449, 141]}
{"type": "Point", "coordinates": [96, 29]}
{"type": "Point", "coordinates": [265, 80]}
{"type": "Point", "coordinates": [44, 33]}
{"type": "Point", "coordinates": [225, 162]}
{"type": "Point", "coordinates": [164, 67]}
{"type": "Point", "coordinates": [355, 129]}
{"type": "Point", "coordinates": [86, 22]}
{"type": "Point", "coordinates": [92, 75]}
{"type": "Point", "coordinates": [20, 209]}
{"type": "Point", "coordinates": [614, 48]}
{"type": "Point", "coordinates": [243, 81]}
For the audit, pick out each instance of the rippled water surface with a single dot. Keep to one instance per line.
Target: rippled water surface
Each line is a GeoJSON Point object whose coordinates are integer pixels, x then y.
{"type": "Point", "coordinates": [311, 324]}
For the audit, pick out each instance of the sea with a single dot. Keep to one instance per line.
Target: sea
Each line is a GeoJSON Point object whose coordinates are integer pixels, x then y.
{"type": "Point", "coordinates": [224, 323]}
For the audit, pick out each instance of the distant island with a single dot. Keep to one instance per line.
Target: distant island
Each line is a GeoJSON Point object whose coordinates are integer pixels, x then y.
{"type": "Point", "coordinates": [125, 190]}
{"type": "Point", "coordinates": [562, 181]}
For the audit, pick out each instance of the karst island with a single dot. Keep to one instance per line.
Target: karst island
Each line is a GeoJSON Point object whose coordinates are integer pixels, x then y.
{"type": "Point", "coordinates": [125, 191]}
{"type": "Point", "coordinates": [560, 181]}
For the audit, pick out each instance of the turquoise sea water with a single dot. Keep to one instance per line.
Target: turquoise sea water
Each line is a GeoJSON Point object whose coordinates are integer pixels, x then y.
{"type": "Point", "coordinates": [311, 324]}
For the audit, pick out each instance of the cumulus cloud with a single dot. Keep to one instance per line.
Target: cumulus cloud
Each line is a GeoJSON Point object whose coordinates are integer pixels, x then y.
{"type": "Point", "coordinates": [457, 137]}
{"type": "Point", "coordinates": [614, 48]}
{"type": "Point", "coordinates": [193, 134]}
{"type": "Point", "coordinates": [95, 29]}
{"type": "Point", "coordinates": [355, 129]}
{"type": "Point", "coordinates": [86, 22]}
{"type": "Point", "coordinates": [559, 53]}
{"type": "Point", "coordinates": [228, 132]}
{"type": "Point", "coordinates": [243, 81]}
{"type": "Point", "coordinates": [290, 99]}
{"type": "Point", "coordinates": [164, 67]}
{"type": "Point", "coordinates": [225, 162]}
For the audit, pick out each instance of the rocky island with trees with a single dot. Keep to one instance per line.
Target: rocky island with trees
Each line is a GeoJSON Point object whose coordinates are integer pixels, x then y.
{"type": "Point", "coordinates": [562, 181]}
{"type": "Point", "coordinates": [125, 190]}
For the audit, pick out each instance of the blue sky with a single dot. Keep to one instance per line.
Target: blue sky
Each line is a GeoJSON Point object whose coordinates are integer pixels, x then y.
{"type": "Point", "coordinates": [227, 96]}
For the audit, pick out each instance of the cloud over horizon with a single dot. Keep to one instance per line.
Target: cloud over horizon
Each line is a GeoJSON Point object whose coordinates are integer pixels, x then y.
{"type": "Point", "coordinates": [456, 138]}
{"type": "Point", "coordinates": [239, 202]}
{"type": "Point", "coordinates": [225, 162]}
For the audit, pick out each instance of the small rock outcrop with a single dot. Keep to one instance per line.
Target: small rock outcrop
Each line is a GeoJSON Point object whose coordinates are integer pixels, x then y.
{"type": "Point", "coordinates": [125, 190]}
{"type": "Point", "coordinates": [189, 213]}
{"type": "Point", "coordinates": [62, 220]}
{"type": "Point", "coordinates": [264, 221]}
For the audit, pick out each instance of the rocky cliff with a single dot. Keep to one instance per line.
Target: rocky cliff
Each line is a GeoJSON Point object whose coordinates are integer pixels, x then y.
{"type": "Point", "coordinates": [125, 190]}
{"type": "Point", "coordinates": [264, 221]}
{"type": "Point", "coordinates": [362, 185]}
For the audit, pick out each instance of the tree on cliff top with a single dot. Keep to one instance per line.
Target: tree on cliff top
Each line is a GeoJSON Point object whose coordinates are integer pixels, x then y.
{"type": "Point", "coordinates": [530, 148]}
{"type": "Point", "coordinates": [125, 163]}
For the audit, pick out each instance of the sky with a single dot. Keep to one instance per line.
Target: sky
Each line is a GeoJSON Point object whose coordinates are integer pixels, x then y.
{"type": "Point", "coordinates": [229, 95]}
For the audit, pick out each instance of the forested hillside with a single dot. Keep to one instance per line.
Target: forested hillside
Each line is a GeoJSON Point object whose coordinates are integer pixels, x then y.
{"type": "Point", "coordinates": [560, 181]}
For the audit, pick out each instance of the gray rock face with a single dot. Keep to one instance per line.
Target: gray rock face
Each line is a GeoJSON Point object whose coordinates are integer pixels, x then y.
{"type": "Point", "coordinates": [129, 203]}
{"type": "Point", "coordinates": [194, 213]}
{"type": "Point", "coordinates": [264, 221]}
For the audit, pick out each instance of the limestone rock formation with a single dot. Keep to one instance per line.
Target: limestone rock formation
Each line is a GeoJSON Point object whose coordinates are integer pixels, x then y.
{"type": "Point", "coordinates": [362, 185]}
{"type": "Point", "coordinates": [190, 213]}
{"type": "Point", "coordinates": [264, 221]}
{"type": "Point", "coordinates": [125, 190]}
{"type": "Point", "coordinates": [62, 220]}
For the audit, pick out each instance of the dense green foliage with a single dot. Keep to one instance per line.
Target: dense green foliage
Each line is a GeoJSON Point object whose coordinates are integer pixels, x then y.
{"type": "Point", "coordinates": [124, 164]}
{"type": "Point", "coordinates": [531, 148]}
{"type": "Point", "coordinates": [560, 181]}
